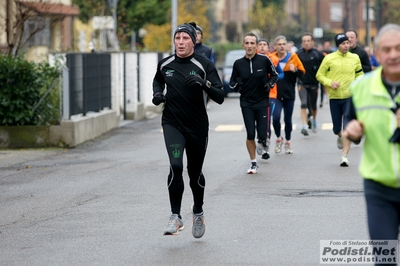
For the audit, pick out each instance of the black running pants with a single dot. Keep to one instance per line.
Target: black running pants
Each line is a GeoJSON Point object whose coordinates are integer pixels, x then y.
{"type": "Point", "coordinates": [256, 118]}
{"type": "Point", "coordinates": [383, 209]}
{"type": "Point", "coordinates": [195, 145]}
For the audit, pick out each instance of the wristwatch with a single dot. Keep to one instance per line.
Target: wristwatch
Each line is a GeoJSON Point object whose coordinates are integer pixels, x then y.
{"type": "Point", "coordinates": [208, 84]}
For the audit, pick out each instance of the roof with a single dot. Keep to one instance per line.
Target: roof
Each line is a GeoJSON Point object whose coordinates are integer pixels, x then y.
{"type": "Point", "coordinates": [51, 8]}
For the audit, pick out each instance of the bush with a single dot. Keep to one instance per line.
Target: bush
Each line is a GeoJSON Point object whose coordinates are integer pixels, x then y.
{"type": "Point", "coordinates": [27, 92]}
{"type": "Point", "coordinates": [220, 49]}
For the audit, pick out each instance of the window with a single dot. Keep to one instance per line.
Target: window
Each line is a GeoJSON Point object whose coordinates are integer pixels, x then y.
{"type": "Point", "coordinates": [39, 32]}
{"type": "Point", "coordinates": [336, 12]}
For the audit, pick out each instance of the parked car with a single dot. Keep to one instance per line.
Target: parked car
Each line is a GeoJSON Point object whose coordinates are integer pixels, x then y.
{"type": "Point", "coordinates": [230, 58]}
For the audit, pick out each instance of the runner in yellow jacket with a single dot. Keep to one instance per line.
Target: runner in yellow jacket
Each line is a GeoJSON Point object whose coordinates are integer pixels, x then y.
{"type": "Point", "coordinates": [336, 72]}
{"type": "Point", "coordinates": [375, 116]}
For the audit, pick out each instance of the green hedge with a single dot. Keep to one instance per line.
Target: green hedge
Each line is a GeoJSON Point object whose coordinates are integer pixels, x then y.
{"type": "Point", "coordinates": [220, 49]}
{"type": "Point", "coordinates": [29, 92]}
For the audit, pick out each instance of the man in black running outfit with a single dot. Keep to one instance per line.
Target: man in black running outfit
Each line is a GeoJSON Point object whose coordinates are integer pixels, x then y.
{"type": "Point", "coordinates": [200, 47]}
{"type": "Point", "coordinates": [307, 84]}
{"type": "Point", "coordinates": [189, 77]}
{"type": "Point", "coordinates": [203, 49]}
{"type": "Point", "coordinates": [252, 76]}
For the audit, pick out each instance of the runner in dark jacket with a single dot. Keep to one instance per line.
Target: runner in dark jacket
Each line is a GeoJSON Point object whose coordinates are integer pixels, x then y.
{"type": "Point", "coordinates": [188, 78]}
{"type": "Point", "coordinates": [252, 76]}
{"type": "Point", "coordinates": [308, 84]}
{"type": "Point", "coordinates": [357, 49]}
{"type": "Point", "coordinates": [202, 48]}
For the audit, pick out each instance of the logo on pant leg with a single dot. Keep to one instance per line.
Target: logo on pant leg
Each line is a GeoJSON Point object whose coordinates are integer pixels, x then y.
{"type": "Point", "coordinates": [176, 153]}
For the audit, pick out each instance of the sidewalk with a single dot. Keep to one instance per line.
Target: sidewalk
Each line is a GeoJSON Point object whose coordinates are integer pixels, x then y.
{"type": "Point", "coordinates": [20, 157]}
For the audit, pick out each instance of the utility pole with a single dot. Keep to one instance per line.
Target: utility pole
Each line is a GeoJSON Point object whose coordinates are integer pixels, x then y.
{"type": "Point", "coordinates": [306, 16]}
{"type": "Point", "coordinates": [379, 14]}
{"type": "Point", "coordinates": [113, 5]}
{"type": "Point", "coordinates": [174, 22]}
{"type": "Point", "coordinates": [317, 8]}
{"type": "Point", "coordinates": [368, 24]}
{"type": "Point", "coordinates": [353, 7]}
{"type": "Point", "coordinates": [345, 23]}
{"type": "Point", "coordinates": [246, 11]}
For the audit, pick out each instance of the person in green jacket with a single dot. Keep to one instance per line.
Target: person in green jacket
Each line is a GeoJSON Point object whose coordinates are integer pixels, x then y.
{"type": "Point", "coordinates": [336, 72]}
{"type": "Point", "coordinates": [375, 116]}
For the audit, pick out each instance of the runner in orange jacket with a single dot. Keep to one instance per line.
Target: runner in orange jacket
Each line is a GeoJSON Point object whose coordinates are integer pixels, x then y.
{"type": "Point", "coordinates": [263, 48]}
{"type": "Point", "coordinates": [293, 69]}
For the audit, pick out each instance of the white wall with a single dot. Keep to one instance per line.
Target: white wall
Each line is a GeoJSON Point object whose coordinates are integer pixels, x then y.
{"type": "Point", "coordinates": [143, 63]}
{"type": "Point", "coordinates": [131, 71]}
{"type": "Point", "coordinates": [116, 81]}
{"type": "Point", "coordinates": [148, 67]}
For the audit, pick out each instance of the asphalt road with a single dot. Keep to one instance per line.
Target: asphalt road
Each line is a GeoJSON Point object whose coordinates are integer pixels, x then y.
{"type": "Point", "coordinates": [106, 202]}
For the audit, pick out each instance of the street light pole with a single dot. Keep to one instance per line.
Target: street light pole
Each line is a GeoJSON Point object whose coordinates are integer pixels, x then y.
{"type": "Point", "coordinates": [318, 14]}
{"type": "Point", "coordinates": [368, 28]}
{"type": "Point", "coordinates": [378, 14]}
{"type": "Point", "coordinates": [174, 22]}
{"type": "Point", "coordinates": [113, 5]}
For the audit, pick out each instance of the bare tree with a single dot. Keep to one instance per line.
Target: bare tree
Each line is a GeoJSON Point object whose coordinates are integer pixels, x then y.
{"type": "Point", "coordinates": [20, 21]}
{"type": "Point", "coordinates": [390, 11]}
{"type": "Point", "coordinates": [271, 27]}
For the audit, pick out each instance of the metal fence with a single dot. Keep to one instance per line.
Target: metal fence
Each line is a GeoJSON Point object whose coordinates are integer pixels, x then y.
{"type": "Point", "coordinates": [89, 82]}
{"type": "Point", "coordinates": [96, 81]}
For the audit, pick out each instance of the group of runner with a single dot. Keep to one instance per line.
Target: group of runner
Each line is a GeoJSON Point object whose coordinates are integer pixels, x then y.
{"type": "Point", "coordinates": [306, 70]}
{"type": "Point", "coordinates": [267, 85]}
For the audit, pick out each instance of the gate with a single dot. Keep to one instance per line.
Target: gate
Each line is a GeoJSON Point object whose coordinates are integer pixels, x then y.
{"type": "Point", "coordinates": [89, 82]}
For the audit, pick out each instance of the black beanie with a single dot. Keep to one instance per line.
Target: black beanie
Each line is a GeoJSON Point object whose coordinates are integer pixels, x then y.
{"type": "Point", "coordinates": [199, 29]}
{"type": "Point", "coordinates": [339, 38]}
{"type": "Point", "coordinates": [262, 40]}
{"type": "Point", "coordinates": [189, 28]}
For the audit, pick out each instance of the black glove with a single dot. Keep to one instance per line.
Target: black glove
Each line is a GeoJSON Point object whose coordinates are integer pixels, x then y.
{"type": "Point", "coordinates": [195, 81]}
{"type": "Point", "coordinates": [239, 85]}
{"type": "Point", "coordinates": [396, 135]}
{"type": "Point", "coordinates": [158, 98]}
{"type": "Point", "coordinates": [267, 87]}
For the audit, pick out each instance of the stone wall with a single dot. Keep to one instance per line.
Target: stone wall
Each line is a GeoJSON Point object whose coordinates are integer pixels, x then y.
{"type": "Point", "coordinates": [70, 133]}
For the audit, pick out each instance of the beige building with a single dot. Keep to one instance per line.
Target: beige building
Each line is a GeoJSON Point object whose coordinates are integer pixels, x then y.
{"type": "Point", "coordinates": [330, 15]}
{"type": "Point", "coordinates": [61, 32]}
{"type": "Point", "coordinates": [43, 26]}
{"type": "Point", "coordinates": [335, 16]}
{"type": "Point", "coordinates": [230, 16]}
